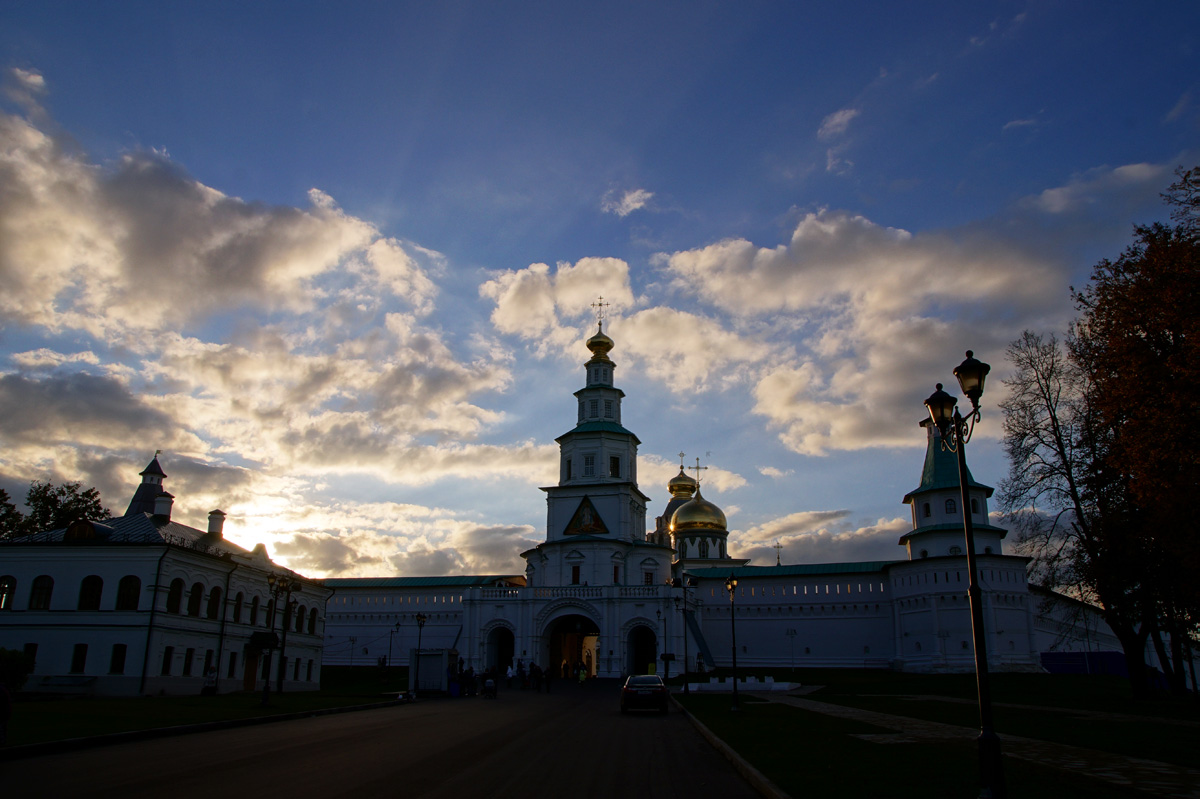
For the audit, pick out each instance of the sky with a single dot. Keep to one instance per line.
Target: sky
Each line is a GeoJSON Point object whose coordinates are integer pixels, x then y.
{"type": "Point", "coordinates": [337, 261]}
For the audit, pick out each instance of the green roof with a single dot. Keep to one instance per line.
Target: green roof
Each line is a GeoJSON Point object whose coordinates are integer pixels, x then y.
{"type": "Point", "coordinates": [599, 427]}
{"type": "Point", "coordinates": [465, 581]}
{"type": "Point", "coordinates": [806, 570]}
{"type": "Point", "coordinates": [941, 471]}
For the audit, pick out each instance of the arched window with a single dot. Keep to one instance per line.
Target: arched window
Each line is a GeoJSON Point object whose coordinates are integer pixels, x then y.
{"type": "Point", "coordinates": [703, 549]}
{"type": "Point", "coordinates": [89, 592]}
{"type": "Point", "coordinates": [43, 589]}
{"type": "Point", "coordinates": [300, 619]}
{"type": "Point", "coordinates": [8, 589]}
{"type": "Point", "coordinates": [214, 603]}
{"type": "Point", "coordinates": [237, 608]}
{"type": "Point", "coordinates": [254, 611]}
{"type": "Point", "coordinates": [927, 510]}
{"type": "Point", "coordinates": [312, 626]}
{"type": "Point", "coordinates": [175, 596]}
{"type": "Point", "coordinates": [129, 592]}
{"type": "Point", "coordinates": [974, 505]}
{"type": "Point", "coordinates": [951, 507]}
{"type": "Point", "coordinates": [195, 597]}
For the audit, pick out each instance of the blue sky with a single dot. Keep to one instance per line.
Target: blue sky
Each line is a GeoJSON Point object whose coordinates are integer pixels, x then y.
{"type": "Point", "coordinates": [336, 260]}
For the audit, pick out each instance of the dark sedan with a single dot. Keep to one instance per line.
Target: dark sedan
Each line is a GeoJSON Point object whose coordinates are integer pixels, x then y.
{"type": "Point", "coordinates": [644, 692]}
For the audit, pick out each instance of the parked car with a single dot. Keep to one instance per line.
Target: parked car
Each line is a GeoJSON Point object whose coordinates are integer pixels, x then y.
{"type": "Point", "coordinates": [644, 692]}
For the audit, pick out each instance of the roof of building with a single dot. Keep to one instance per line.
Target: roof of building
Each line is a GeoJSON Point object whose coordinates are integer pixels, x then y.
{"type": "Point", "coordinates": [460, 581]}
{"type": "Point", "coordinates": [806, 570]}
{"type": "Point", "coordinates": [941, 470]}
{"type": "Point", "coordinates": [136, 528]}
{"type": "Point", "coordinates": [599, 427]}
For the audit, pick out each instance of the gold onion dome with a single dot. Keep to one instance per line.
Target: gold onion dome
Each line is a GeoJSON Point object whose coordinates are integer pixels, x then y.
{"type": "Point", "coordinates": [699, 514]}
{"type": "Point", "coordinates": [681, 485]}
{"type": "Point", "coordinates": [600, 344]}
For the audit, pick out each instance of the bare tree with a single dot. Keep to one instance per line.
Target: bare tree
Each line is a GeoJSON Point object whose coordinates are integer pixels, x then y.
{"type": "Point", "coordinates": [1067, 509]}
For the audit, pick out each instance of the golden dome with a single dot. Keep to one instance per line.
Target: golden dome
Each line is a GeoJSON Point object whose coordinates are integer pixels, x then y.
{"type": "Point", "coordinates": [699, 514]}
{"type": "Point", "coordinates": [681, 485]}
{"type": "Point", "coordinates": [600, 344]}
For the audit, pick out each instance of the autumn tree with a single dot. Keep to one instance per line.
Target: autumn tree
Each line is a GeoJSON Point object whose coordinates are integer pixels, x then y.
{"type": "Point", "coordinates": [11, 519]}
{"type": "Point", "coordinates": [1137, 339]}
{"type": "Point", "coordinates": [1104, 441]}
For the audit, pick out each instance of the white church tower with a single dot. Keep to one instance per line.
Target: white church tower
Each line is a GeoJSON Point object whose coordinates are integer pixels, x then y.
{"type": "Point", "coordinates": [596, 516]}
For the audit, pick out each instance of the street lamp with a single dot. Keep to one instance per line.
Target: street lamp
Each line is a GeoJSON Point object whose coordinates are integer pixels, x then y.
{"type": "Point", "coordinates": [276, 585]}
{"type": "Point", "coordinates": [282, 584]}
{"type": "Point", "coordinates": [731, 586]}
{"type": "Point", "coordinates": [955, 433]}
{"type": "Point", "coordinates": [683, 583]}
{"type": "Point", "coordinates": [391, 632]}
{"type": "Point", "coordinates": [421, 618]}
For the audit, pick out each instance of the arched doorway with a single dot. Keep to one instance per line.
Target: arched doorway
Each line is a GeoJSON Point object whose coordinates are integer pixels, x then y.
{"type": "Point", "coordinates": [572, 643]}
{"type": "Point", "coordinates": [643, 650]}
{"type": "Point", "coordinates": [500, 648]}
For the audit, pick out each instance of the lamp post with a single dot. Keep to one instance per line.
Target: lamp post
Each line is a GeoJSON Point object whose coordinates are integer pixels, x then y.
{"type": "Point", "coordinates": [684, 608]}
{"type": "Point", "coordinates": [731, 586]}
{"type": "Point", "coordinates": [421, 618]}
{"type": "Point", "coordinates": [392, 632]}
{"type": "Point", "coordinates": [282, 584]}
{"type": "Point", "coordinates": [955, 434]}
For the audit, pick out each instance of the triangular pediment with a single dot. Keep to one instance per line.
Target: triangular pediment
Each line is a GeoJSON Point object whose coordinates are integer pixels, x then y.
{"type": "Point", "coordinates": [586, 521]}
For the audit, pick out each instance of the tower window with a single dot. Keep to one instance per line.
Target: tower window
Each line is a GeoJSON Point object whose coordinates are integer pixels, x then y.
{"type": "Point", "coordinates": [704, 549]}
{"type": "Point", "coordinates": [951, 507]}
{"type": "Point", "coordinates": [575, 574]}
{"type": "Point", "coordinates": [614, 466]}
{"type": "Point", "coordinates": [581, 410]}
{"type": "Point", "coordinates": [589, 465]}
{"type": "Point", "coordinates": [608, 409]}
{"type": "Point", "coordinates": [926, 510]}
{"type": "Point", "coordinates": [974, 505]}
{"type": "Point", "coordinates": [594, 407]}
{"type": "Point", "coordinates": [567, 468]}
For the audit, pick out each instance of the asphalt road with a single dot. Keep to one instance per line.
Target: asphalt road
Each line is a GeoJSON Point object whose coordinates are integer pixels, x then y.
{"type": "Point", "coordinates": [572, 743]}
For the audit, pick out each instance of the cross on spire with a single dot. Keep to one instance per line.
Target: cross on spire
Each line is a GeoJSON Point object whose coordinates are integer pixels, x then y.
{"type": "Point", "coordinates": [681, 455]}
{"type": "Point", "coordinates": [600, 305]}
{"type": "Point", "coordinates": [698, 469]}
{"type": "Point", "coordinates": [778, 547]}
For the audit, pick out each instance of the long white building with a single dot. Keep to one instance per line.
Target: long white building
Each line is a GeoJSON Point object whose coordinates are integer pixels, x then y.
{"type": "Point", "coordinates": [603, 592]}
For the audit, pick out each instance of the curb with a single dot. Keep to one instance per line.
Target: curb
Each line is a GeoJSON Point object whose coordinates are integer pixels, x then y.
{"type": "Point", "coordinates": [72, 744]}
{"type": "Point", "coordinates": [756, 778]}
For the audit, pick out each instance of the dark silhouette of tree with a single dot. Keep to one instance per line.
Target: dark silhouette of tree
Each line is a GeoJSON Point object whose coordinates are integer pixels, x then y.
{"type": "Point", "coordinates": [1104, 441]}
{"type": "Point", "coordinates": [52, 507]}
{"type": "Point", "coordinates": [10, 518]}
{"type": "Point", "coordinates": [1138, 340]}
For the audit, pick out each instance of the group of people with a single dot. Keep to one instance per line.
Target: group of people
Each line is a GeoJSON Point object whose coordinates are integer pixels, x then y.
{"type": "Point", "coordinates": [532, 677]}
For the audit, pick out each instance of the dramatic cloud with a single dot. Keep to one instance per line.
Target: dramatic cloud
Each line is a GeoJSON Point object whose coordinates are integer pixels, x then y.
{"type": "Point", "coordinates": [821, 537]}
{"type": "Point", "coordinates": [879, 304]}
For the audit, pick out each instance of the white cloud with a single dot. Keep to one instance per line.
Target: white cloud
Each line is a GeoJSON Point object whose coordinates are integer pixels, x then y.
{"type": "Point", "coordinates": [820, 537]}
{"type": "Point", "coordinates": [1093, 185]}
{"type": "Point", "coordinates": [837, 123]}
{"type": "Point", "coordinates": [626, 203]}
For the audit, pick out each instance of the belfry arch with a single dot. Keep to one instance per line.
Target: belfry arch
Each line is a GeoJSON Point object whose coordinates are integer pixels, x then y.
{"type": "Point", "coordinates": [641, 644]}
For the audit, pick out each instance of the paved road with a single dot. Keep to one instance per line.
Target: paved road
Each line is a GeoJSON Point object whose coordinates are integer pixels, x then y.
{"type": "Point", "coordinates": [572, 743]}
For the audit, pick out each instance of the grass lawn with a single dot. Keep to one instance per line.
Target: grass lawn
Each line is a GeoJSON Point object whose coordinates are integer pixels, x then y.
{"type": "Point", "coordinates": [811, 754]}
{"type": "Point", "coordinates": [35, 721]}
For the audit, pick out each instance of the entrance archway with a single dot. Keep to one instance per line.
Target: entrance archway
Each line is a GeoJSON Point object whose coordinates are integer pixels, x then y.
{"type": "Point", "coordinates": [572, 643]}
{"type": "Point", "coordinates": [500, 648]}
{"type": "Point", "coordinates": [643, 650]}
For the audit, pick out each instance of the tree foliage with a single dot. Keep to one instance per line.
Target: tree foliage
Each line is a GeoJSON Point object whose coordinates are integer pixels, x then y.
{"type": "Point", "coordinates": [50, 507]}
{"type": "Point", "coordinates": [1103, 439]}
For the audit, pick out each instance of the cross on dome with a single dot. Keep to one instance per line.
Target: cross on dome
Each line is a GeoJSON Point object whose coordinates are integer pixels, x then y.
{"type": "Point", "coordinates": [600, 305]}
{"type": "Point", "coordinates": [698, 469]}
